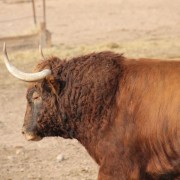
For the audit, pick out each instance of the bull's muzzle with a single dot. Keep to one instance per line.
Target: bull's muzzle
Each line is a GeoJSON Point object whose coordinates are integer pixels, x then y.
{"type": "Point", "coordinates": [30, 136]}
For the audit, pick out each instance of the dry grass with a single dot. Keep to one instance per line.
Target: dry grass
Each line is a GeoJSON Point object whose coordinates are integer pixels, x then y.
{"type": "Point", "coordinates": [151, 48]}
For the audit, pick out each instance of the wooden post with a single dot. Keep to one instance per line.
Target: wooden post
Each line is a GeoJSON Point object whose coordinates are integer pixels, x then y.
{"type": "Point", "coordinates": [34, 12]}
{"type": "Point", "coordinates": [45, 36]}
{"type": "Point", "coordinates": [44, 12]}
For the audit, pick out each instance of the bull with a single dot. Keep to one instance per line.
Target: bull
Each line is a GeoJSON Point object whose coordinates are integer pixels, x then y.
{"type": "Point", "coordinates": [125, 112]}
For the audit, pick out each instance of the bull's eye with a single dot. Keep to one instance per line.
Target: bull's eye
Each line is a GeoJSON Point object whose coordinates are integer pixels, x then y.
{"type": "Point", "coordinates": [36, 97]}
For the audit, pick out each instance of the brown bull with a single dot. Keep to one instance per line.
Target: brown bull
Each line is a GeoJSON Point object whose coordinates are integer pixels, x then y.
{"type": "Point", "coordinates": [125, 112]}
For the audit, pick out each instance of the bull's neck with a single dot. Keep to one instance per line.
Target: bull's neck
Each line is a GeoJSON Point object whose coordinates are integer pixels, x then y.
{"type": "Point", "coordinates": [88, 129]}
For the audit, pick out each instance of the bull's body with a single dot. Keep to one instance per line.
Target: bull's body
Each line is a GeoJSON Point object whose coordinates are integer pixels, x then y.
{"type": "Point", "coordinates": [125, 112]}
{"type": "Point", "coordinates": [146, 129]}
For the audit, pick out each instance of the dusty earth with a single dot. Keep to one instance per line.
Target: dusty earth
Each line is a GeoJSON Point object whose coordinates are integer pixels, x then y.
{"type": "Point", "coordinates": [136, 27]}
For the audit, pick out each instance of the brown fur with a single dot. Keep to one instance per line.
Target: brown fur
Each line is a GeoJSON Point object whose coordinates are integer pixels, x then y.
{"type": "Point", "coordinates": [126, 113]}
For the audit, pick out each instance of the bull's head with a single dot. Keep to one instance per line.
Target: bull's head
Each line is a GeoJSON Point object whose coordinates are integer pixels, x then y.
{"type": "Point", "coordinates": [41, 111]}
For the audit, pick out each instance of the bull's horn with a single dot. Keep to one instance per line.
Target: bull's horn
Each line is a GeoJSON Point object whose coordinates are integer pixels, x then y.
{"type": "Point", "coordinates": [41, 52]}
{"type": "Point", "coordinates": [29, 77]}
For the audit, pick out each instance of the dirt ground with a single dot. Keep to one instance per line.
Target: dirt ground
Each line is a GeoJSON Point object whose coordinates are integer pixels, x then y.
{"type": "Point", "coordinates": [136, 27]}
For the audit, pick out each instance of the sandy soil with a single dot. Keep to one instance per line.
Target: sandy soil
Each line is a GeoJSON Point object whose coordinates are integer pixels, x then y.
{"type": "Point", "coordinates": [92, 21]}
{"type": "Point", "coordinates": [74, 23]}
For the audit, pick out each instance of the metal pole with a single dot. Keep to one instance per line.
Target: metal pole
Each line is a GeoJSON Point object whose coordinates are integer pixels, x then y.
{"type": "Point", "coordinates": [44, 12]}
{"type": "Point", "coordinates": [34, 12]}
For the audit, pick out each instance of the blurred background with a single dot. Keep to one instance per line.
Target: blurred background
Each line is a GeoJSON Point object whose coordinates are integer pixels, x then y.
{"type": "Point", "coordinates": [68, 28]}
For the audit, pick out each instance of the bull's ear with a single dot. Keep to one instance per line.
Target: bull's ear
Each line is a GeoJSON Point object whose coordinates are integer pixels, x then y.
{"type": "Point", "coordinates": [53, 84]}
{"type": "Point", "coordinates": [50, 79]}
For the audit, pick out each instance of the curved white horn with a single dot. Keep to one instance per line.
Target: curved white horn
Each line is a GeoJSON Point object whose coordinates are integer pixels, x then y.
{"type": "Point", "coordinates": [41, 52]}
{"type": "Point", "coordinates": [29, 77]}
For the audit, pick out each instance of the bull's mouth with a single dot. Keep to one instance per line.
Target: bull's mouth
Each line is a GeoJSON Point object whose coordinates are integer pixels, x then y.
{"type": "Point", "coordinates": [30, 137]}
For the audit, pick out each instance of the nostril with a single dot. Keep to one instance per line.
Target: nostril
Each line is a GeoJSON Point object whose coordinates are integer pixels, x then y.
{"type": "Point", "coordinates": [23, 130]}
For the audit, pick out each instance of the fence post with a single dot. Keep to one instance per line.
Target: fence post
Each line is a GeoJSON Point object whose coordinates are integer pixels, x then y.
{"type": "Point", "coordinates": [45, 36]}
{"type": "Point", "coordinates": [44, 12]}
{"type": "Point", "coordinates": [34, 12]}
